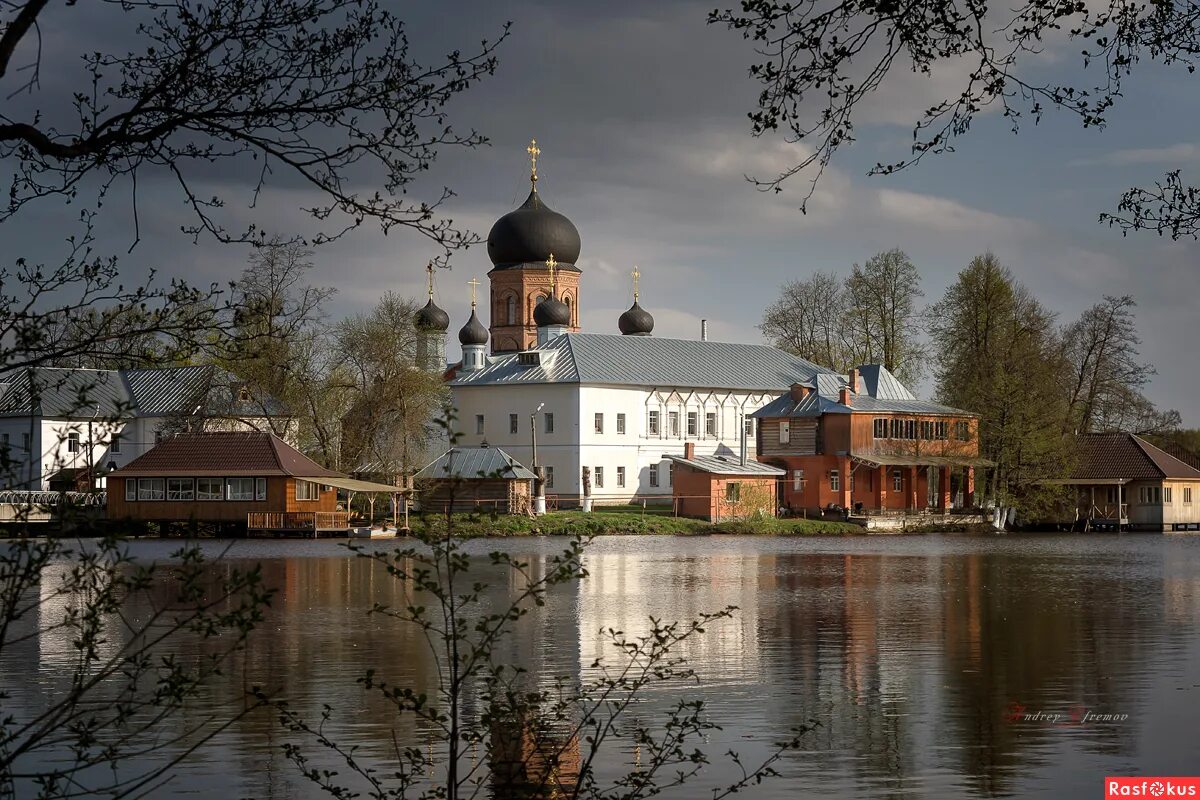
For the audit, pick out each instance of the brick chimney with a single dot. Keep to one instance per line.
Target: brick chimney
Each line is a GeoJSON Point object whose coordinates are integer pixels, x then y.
{"type": "Point", "coordinates": [845, 398]}
{"type": "Point", "coordinates": [854, 381]}
{"type": "Point", "coordinates": [799, 392]}
{"type": "Point", "coordinates": [689, 450]}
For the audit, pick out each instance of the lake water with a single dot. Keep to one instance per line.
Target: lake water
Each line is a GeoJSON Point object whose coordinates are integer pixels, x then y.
{"type": "Point", "coordinates": [930, 662]}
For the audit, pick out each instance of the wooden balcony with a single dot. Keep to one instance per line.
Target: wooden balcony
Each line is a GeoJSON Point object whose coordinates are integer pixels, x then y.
{"type": "Point", "coordinates": [298, 521]}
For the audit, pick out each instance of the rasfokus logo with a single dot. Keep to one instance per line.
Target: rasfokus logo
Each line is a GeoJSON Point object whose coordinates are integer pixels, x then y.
{"type": "Point", "coordinates": [1138, 786]}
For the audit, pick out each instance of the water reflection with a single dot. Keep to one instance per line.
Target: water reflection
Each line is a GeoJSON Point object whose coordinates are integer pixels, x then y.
{"type": "Point", "coordinates": [928, 662]}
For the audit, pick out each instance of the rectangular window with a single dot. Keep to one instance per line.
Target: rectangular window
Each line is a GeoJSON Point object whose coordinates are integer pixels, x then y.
{"type": "Point", "coordinates": [962, 430]}
{"type": "Point", "coordinates": [654, 474]}
{"type": "Point", "coordinates": [621, 424]}
{"type": "Point", "coordinates": [180, 489]}
{"type": "Point", "coordinates": [733, 492]}
{"type": "Point", "coordinates": [514, 423]}
{"type": "Point", "coordinates": [785, 431]}
{"type": "Point", "coordinates": [620, 477]}
{"type": "Point", "coordinates": [479, 423]}
{"type": "Point", "coordinates": [910, 429]}
{"type": "Point", "coordinates": [25, 442]}
{"type": "Point", "coordinates": [73, 442]}
{"type": "Point", "coordinates": [797, 480]}
{"type": "Point", "coordinates": [306, 490]}
{"type": "Point", "coordinates": [926, 430]}
{"type": "Point", "coordinates": [208, 489]}
{"type": "Point", "coordinates": [652, 423]}
{"type": "Point", "coordinates": [693, 422]}
{"type": "Point", "coordinates": [239, 488]}
{"type": "Point", "coordinates": [670, 473]}
{"type": "Point", "coordinates": [1111, 496]}
{"type": "Point", "coordinates": [1166, 492]}
{"type": "Point", "coordinates": [879, 429]}
{"type": "Point", "coordinates": [549, 477]}
{"type": "Point", "coordinates": [835, 480]}
{"type": "Point", "coordinates": [673, 421]}
{"type": "Point", "coordinates": [549, 423]}
{"type": "Point", "coordinates": [599, 477]}
{"type": "Point", "coordinates": [130, 490]}
{"type": "Point", "coordinates": [599, 423]}
{"type": "Point", "coordinates": [897, 480]}
{"type": "Point", "coordinates": [114, 444]}
{"type": "Point", "coordinates": [897, 429]}
{"type": "Point", "coordinates": [748, 426]}
{"type": "Point", "coordinates": [710, 424]}
{"type": "Point", "coordinates": [260, 488]}
{"type": "Point", "coordinates": [151, 488]}
{"type": "Point", "coordinates": [942, 431]}
{"type": "Point", "coordinates": [1187, 495]}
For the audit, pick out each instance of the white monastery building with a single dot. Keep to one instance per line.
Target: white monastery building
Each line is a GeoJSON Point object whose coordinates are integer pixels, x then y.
{"type": "Point", "coordinates": [616, 404]}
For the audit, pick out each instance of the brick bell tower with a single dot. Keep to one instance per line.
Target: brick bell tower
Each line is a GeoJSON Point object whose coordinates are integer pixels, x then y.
{"type": "Point", "coordinates": [519, 245]}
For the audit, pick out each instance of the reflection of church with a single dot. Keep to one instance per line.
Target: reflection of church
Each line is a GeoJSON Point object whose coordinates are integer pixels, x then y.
{"type": "Point", "coordinates": [616, 403]}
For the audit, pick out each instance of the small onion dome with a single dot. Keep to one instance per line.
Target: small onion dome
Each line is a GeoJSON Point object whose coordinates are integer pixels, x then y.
{"type": "Point", "coordinates": [432, 319]}
{"type": "Point", "coordinates": [529, 234]}
{"type": "Point", "coordinates": [473, 332]}
{"type": "Point", "coordinates": [636, 321]}
{"type": "Point", "coordinates": [552, 311]}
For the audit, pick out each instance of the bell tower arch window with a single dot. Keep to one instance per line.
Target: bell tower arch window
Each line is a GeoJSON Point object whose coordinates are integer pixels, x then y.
{"type": "Point", "coordinates": [511, 310]}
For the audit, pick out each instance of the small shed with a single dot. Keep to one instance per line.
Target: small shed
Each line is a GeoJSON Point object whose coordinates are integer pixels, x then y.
{"type": "Point", "coordinates": [719, 488]}
{"type": "Point", "coordinates": [475, 479]}
{"type": "Point", "coordinates": [245, 480]}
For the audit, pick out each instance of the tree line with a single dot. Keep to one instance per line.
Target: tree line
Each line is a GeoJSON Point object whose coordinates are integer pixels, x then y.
{"type": "Point", "coordinates": [990, 347]}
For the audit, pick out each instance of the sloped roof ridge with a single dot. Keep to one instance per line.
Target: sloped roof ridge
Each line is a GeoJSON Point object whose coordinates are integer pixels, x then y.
{"type": "Point", "coordinates": [1172, 468]}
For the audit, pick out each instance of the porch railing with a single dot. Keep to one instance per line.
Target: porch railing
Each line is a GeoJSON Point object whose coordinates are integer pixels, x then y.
{"type": "Point", "coordinates": [298, 520]}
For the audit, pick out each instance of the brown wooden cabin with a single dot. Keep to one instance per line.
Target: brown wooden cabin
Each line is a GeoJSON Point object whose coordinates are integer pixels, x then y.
{"type": "Point", "coordinates": [865, 443]}
{"type": "Point", "coordinates": [247, 480]}
{"type": "Point", "coordinates": [474, 479]}
{"type": "Point", "coordinates": [717, 489]}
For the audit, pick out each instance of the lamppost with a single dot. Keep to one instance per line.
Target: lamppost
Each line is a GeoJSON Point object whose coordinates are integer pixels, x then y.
{"type": "Point", "coordinates": [539, 485]}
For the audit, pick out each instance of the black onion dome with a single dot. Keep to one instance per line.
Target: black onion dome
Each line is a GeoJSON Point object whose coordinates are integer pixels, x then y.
{"type": "Point", "coordinates": [636, 321]}
{"type": "Point", "coordinates": [530, 234]}
{"type": "Point", "coordinates": [552, 311]}
{"type": "Point", "coordinates": [432, 319]}
{"type": "Point", "coordinates": [473, 332]}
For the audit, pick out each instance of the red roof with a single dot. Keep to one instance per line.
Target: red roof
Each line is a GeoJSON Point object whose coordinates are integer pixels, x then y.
{"type": "Point", "coordinates": [248, 453]}
{"type": "Point", "coordinates": [1124, 455]}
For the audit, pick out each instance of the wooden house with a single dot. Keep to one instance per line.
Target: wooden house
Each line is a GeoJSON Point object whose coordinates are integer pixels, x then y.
{"type": "Point", "coordinates": [236, 481]}
{"type": "Point", "coordinates": [474, 479]}
{"type": "Point", "coordinates": [1123, 482]}
{"type": "Point", "coordinates": [864, 442]}
{"type": "Point", "coordinates": [720, 488]}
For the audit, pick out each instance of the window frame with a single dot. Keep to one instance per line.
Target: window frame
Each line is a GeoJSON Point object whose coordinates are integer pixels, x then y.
{"type": "Point", "coordinates": [785, 431]}
{"type": "Point", "coordinates": [652, 475]}
{"type": "Point", "coordinates": [733, 492]}
{"type": "Point", "coordinates": [598, 422]}
{"type": "Point", "coordinates": [73, 443]}
{"type": "Point", "coordinates": [479, 424]}
{"type": "Point", "coordinates": [548, 421]}
{"type": "Point", "coordinates": [114, 443]}
{"type": "Point", "coordinates": [620, 424]}
{"type": "Point", "coordinates": [652, 422]}
{"type": "Point", "coordinates": [150, 489]}
{"type": "Point", "coordinates": [693, 423]}
{"type": "Point", "coordinates": [835, 480]}
{"type": "Point", "coordinates": [179, 492]}
{"type": "Point", "coordinates": [797, 480]}
{"type": "Point", "coordinates": [315, 491]}
{"type": "Point", "coordinates": [598, 477]}
{"type": "Point", "coordinates": [514, 424]}
{"type": "Point", "coordinates": [620, 477]}
{"type": "Point", "coordinates": [131, 490]}
{"type": "Point", "coordinates": [211, 481]}
{"type": "Point", "coordinates": [229, 493]}
{"type": "Point", "coordinates": [549, 474]}
{"type": "Point", "coordinates": [710, 423]}
{"type": "Point", "coordinates": [673, 424]}
{"type": "Point", "coordinates": [897, 480]}
{"type": "Point", "coordinates": [879, 428]}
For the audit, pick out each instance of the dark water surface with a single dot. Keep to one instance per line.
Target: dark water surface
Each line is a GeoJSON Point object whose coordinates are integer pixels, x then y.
{"type": "Point", "coordinates": [914, 653]}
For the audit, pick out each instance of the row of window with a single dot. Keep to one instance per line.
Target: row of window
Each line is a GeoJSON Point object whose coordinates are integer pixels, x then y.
{"type": "Point", "coordinates": [927, 429]}
{"type": "Point", "coordinates": [652, 423]}
{"type": "Point", "coordinates": [208, 489]}
{"type": "Point", "coordinates": [510, 306]}
{"type": "Point", "coordinates": [652, 476]}
{"type": "Point", "coordinates": [835, 480]}
{"type": "Point", "coordinates": [1155, 495]}
{"type": "Point", "coordinates": [5, 444]}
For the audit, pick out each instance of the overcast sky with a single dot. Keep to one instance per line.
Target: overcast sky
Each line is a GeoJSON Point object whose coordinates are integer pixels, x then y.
{"type": "Point", "coordinates": [640, 112]}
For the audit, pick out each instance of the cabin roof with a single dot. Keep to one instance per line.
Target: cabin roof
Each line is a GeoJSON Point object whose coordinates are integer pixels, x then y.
{"type": "Point", "coordinates": [1125, 455]}
{"type": "Point", "coordinates": [467, 463]}
{"type": "Point", "coordinates": [879, 392]}
{"type": "Point", "coordinates": [249, 453]}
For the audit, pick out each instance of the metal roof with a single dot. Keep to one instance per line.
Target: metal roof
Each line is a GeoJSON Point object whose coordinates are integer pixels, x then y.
{"type": "Point", "coordinates": [474, 462]}
{"type": "Point", "coordinates": [216, 454]}
{"type": "Point", "coordinates": [720, 465]}
{"type": "Point", "coordinates": [1124, 455]}
{"type": "Point", "coordinates": [900, 460]}
{"type": "Point", "coordinates": [609, 359]}
{"type": "Point", "coordinates": [879, 391]}
{"type": "Point", "coordinates": [878, 382]}
{"type": "Point", "coordinates": [75, 393]}
{"type": "Point", "coordinates": [71, 393]}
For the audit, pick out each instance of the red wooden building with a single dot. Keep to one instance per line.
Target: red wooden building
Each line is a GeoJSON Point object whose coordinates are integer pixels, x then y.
{"type": "Point", "coordinates": [864, 442]}
{"type": "Point", "coordinates": [247, 481]}
{"type": "Point", "coordinates": [720, 488]}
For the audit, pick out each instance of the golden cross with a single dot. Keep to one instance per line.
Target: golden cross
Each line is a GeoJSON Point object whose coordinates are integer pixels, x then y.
{"type": "Point", "coordinates": [636, 274]}
{"type": "Point", "coordinates": [429, 269]}
{"type": "Point", "coordinates": [550, 265]}
{"type": "Point", "coordinates": [534, 152]}
{"type": "Point", "coordinates": [472, 283]}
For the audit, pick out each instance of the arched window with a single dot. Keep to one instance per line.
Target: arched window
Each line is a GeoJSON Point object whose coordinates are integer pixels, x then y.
{"type": "Point", "coordinates": [570, 308]}
{"type": "Point", "coordinates": [512, 310]}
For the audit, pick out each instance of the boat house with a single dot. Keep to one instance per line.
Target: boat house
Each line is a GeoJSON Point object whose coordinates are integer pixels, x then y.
{"type": "Point", "coordinates": [251, 482]}
{"type": "Point", "coordinates": [475, 479]}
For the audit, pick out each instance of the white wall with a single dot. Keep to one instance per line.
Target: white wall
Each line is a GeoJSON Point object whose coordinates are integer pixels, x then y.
{"type": "Point", "coordinates": [575, 443]}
